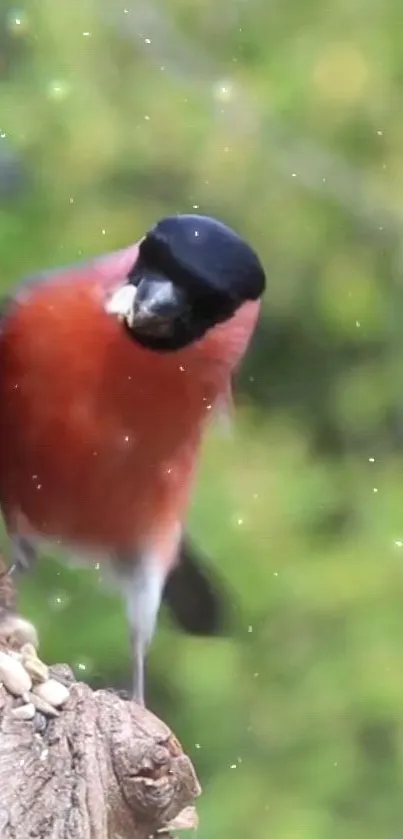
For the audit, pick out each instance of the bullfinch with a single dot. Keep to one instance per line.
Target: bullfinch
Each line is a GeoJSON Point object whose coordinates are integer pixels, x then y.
{"type": "Point", "coordinates": [109, 373]}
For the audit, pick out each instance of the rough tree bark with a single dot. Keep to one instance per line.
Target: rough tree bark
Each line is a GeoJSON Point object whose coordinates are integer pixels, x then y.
{"type": "Point", "coordinates": [103, 769]}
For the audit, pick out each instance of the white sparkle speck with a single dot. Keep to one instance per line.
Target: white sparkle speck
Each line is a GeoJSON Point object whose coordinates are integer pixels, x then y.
{"type": "Point", "coordinates": [58, 89]}
{"type": "Point", "coordinates": [223, 91]}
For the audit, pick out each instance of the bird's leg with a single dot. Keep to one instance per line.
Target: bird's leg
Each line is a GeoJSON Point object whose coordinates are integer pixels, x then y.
{"type": "Point", "coordinates": [142, 581]}
{"type": "Point", "coordinates": [138, 655]}
{"type": "Point", "coordinates": [15, 631]}
{"type": "Point", "coordinates": [23, 554]}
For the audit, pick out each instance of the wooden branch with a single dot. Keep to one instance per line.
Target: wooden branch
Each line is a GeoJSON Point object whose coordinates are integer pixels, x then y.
{"type": "Point", "coordinates": [104, 768]}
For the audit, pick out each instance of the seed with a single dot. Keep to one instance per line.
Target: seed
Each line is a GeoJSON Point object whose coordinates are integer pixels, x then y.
{"type": "Point", "coordinates": [13, 675]}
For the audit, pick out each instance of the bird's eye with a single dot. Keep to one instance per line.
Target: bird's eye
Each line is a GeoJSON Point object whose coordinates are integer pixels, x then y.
{"type": "Point", "coordinates": [214, 306]}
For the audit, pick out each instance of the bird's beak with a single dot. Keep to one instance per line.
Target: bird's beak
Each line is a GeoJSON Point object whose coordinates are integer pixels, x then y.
{"type": "Point", "coordinates": [158, 303]}
{"type": "Point", "coordinates": [151, 307]}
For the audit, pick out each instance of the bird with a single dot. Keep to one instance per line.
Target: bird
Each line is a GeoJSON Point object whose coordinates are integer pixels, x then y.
{"type": "Point", "coordinates": [110, 371]}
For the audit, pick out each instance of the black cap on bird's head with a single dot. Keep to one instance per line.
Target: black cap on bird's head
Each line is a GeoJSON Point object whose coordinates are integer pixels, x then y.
{"type": "Point", "coordinates": [192, 273]}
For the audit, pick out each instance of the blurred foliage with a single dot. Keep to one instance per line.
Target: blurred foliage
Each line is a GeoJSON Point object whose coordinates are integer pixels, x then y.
{"type": "Point", "coordinates": [285, 120]}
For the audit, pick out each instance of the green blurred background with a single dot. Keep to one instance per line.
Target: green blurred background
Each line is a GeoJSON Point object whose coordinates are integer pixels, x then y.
{"type": "Point", "coordinates": [285, 119]}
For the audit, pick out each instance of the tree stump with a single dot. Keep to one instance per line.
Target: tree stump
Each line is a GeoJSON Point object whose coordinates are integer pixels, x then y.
{"type": "Point", "coordinates": [104, 768]}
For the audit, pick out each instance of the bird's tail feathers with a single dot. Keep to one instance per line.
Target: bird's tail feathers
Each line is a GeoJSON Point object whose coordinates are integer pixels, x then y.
{"type": "Point", "coordinates": [195, 596]}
